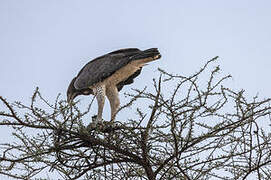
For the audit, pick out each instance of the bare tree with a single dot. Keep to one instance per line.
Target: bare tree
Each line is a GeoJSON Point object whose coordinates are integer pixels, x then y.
{"type": "Point", "coordinates": [195, 128]}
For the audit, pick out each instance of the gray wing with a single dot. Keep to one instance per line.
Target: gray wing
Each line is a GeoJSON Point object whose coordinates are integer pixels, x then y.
{"type": "Point", "coordinates": [102, 67]}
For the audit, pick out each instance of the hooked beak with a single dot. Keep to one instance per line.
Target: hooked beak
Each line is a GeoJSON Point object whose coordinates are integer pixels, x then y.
{"type": "Point", "coordinates": [70, 98]}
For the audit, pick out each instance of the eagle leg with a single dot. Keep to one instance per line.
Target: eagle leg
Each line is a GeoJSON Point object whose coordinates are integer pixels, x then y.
{"type": "Point", "coordinates": [99, 92]}
{"type": "Point", "coordinates": [113, 97]}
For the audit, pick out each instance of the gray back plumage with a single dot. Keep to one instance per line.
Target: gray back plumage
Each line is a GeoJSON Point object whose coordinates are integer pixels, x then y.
{"type": "Point", "coordinates": [102, 67]}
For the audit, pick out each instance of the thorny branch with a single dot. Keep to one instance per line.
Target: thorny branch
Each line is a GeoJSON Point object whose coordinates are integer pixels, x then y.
{"type": "Point", "coordinates": [187, 128]}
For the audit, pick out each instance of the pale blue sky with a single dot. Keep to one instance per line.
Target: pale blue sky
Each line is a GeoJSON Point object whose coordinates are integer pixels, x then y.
{"type": "Point", "coordinates": [45, 43]}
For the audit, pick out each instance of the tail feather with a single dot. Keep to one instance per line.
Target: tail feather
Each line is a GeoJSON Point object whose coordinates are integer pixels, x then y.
{"type": "Point", "coordinates": [149, 53]}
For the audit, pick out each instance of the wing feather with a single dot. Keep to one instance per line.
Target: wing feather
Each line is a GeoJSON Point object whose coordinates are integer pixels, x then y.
{"type": "Point", "coordinates": [102, 67]}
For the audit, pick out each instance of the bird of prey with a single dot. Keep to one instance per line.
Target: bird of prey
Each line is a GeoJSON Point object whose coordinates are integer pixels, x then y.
{"type": "Point", "coordinates": [106, 75]}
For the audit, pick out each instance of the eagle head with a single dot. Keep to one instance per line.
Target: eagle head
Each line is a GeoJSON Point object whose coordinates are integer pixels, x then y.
{"type": "Point", "coordinates": [72, 92]}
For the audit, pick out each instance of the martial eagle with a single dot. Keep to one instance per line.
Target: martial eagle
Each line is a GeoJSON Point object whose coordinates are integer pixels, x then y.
{"type": "Point", "coordinates": [106, 75]}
